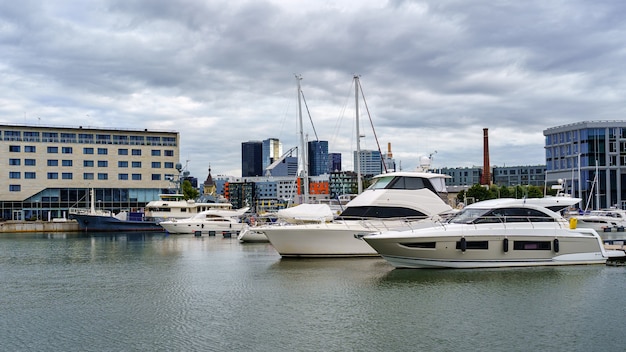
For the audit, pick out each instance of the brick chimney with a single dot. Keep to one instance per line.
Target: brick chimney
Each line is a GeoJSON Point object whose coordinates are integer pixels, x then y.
{"type": "Point", "coordinates": [486, 176]}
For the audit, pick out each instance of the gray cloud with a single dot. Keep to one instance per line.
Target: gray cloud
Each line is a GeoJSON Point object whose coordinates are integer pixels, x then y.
{"type": "Point", "coordinates": [434, 73]}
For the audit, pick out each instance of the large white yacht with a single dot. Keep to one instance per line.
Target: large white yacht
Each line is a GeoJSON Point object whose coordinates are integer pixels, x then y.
{"type": "Point", "coordinates": [496, 233]}
{"type": "Point", "coordinates": [394, 200]}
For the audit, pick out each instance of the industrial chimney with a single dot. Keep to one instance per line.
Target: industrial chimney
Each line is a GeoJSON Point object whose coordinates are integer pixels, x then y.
{"type": "Point", "coordinates": [486, 177]}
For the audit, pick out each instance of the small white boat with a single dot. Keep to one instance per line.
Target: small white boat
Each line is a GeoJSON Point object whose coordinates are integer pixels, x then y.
{"type": "Point", "coordinates": [603, 220]}
{"type": "Point", "coordinates": [208, 221]}
{"type": "Point", "coordinates": [495, 233]}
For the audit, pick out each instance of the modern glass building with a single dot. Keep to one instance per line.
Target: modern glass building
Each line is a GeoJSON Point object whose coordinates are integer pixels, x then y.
{"type": "Point", "coordinates": [252, 159]}
{"type": "Point", "coordinates": [590, 157]}
{"type": "Point", "coordinates": [44, 170]}
{"type": "Point", "coordinates": [318, 157]}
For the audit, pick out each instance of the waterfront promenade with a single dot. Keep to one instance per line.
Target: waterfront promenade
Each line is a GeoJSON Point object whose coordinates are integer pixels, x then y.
{"type": "Point", "coordinates": [12, 226]}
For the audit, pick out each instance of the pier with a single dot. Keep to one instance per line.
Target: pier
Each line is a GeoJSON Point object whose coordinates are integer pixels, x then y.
{"type": "Point", "coordinates": [38, 226]}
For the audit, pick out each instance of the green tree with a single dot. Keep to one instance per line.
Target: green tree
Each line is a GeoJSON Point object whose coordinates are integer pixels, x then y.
{"type": "Point", "coordinates": [535, 192]}
{"type": "Point", "coordinates": [188, 191]}
{"type": "Point", "coordinates": [479, 193]}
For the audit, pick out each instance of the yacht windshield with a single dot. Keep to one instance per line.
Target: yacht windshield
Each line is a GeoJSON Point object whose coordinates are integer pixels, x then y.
{"type": "Point", "coordinates": [467, 215]}
{"type": "Point", "coordinates": [401, 182]}
{"type": "Point", "coordinates": [381, 182]}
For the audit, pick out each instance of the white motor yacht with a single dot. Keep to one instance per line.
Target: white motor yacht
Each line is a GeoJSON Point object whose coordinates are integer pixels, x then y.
{"type": "Point", "coordinates": [394, 200]}
{"type": "Point", "coordinates": [212, 220]}
{"type": "Point", "coordinates": [496, 233]}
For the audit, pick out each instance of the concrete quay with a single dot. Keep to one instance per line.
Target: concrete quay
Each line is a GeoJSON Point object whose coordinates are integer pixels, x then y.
{"type": "Point", "coordinates": [11, 226]}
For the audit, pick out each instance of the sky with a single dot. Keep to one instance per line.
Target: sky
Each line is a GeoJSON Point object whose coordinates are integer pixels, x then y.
{"type": "Point", "coordinates": [433, 73]}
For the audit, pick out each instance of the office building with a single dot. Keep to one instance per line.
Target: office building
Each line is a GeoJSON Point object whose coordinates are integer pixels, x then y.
{"type": "Point", "coordinates": [334, 162]}
{"type": "Point", "coordinates": [272, 150]}
{"type": "Point", "coordinates": [590, 157]}
{"type": "Point", "coordinates": [370, 162]}
{"type": "Point", "coordinates": [318, 157]}
{"type": "Point", "coordinates": [47, 170]}
{"type": "Point", "coordinates": [251, 158]}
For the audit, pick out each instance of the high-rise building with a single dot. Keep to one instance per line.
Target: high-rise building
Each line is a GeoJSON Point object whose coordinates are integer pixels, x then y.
{"type": "Point", "coordinates": [251, 158]}
{"type": "Point", "coordinates": [47, 170]}
{"type": "Point", "coordinates": [370, 161]}
{"type": "Point", "coordinates": [272, 150]}
{"type": "Point", "coordinates": [318, 157]}
{"type": "Point", "coordinates": [334, 162]}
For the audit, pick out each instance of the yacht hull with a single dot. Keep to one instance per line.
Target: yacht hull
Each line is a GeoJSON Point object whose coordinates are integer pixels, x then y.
{"type": "Point", "coordinates": [514, 249]}
{"type": "Point", "coordinates": [102, 223]}
{"type": "Point", "coordinates": [332, 239]}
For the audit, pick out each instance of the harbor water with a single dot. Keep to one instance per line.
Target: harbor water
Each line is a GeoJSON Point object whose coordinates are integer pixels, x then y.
{"type": "Point", "coordinates": [154, 292]}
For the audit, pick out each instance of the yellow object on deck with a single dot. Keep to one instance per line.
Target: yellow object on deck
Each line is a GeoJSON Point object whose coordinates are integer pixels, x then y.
{"type": "Point", "coordinates": [573, 222]}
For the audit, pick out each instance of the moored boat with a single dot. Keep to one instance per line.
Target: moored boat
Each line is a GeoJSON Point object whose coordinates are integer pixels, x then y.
{"type": "Point", "coordinates": [495, 233]}
{"type": "Point", "coordinates": [208, 221]}
{"type": "Point", "coordinates": [98, 220]}
{"type": "Point", "coordinates": [395, 200]}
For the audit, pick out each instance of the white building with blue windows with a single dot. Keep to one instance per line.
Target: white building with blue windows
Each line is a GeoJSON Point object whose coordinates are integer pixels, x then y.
{"type": "Point", "coordinates": [590, 157]}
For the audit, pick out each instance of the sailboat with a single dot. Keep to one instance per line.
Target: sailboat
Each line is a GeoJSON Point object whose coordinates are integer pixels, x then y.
{"type": "Point", "coordinates": [396, 199]}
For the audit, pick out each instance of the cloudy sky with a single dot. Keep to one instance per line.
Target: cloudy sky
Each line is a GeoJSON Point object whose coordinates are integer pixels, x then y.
{"type": "Point", "coordinates": [434, 73]}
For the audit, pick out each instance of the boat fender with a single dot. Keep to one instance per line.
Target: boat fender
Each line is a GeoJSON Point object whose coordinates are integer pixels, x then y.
{"type": "Point", "coordinates": [463, 244]}
{"type": "Point", "coordinates": [556, 245]}
{"type": "Point", "coordinates": [573, 222]}
{"type": "Point", "coordinates": [505, 245]}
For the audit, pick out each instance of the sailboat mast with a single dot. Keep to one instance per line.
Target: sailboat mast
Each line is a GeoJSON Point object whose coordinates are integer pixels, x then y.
{"type": "Point", "coordinates": [358, 136]}
{"type": "Point", "coordinates": [302, 157]}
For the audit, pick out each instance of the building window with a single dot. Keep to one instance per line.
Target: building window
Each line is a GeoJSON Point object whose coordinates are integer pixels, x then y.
{"type": "Point", "coordinates": [103, 176]}
{"type": "Point", "coordinates": [136, 177]}
{"type": "Point", "coordinates": [156, 152]}
{"type": "Point", "coordinates": [66, 175]}
{"type": "Point", "coordinates": [53, 175]}
{"type": "Point", "coordinates": [53, 150]}
{"type": "Point", "coordinates": [53, 162]}
{"type": "Point", "coordinates": [88, 176]}
{"type": "Point", "coordinates": [168, 152]}
{"type": "Point", "coordinates": [103, 151]}
{"type": "Point", "coordinates": [122, 152]}
{"type": "Point", "coordinates": [30, 149]}
{"type": "Point", "coordinates": [136, 151]}
{"type": "Point", "coordinates": [87, 150]}
{"type": "Point", "coordinates": [156, 177]}
{"type": "Point", "coordinates": [136, 164]}
{"type": "Point", "coordinates": [156, 165]}
{"type": "Point", "coordinates": [68, 137]}
{"type": "Point", "coordinates": [122, 176]}
{"type": "Point", "coordinates": [122, 164]}
{"type": "Point", "coordinates": [103, 163]}
{"type": "Point", "coordinates": [30, 162]}
{"type": "Point", "coordinates": [14, 148]}
{"type": "Point", "coordinates": [30, 175]}
{"type": "Point", "coordinates": [15, 188]}
{"type": "Point", "coordinates": [168, 165]}
{"type": "Point", "coordinates": [66, 150]}
{"type": "Point", "coordinates": [14, 162]}
{"type": "Point", "coordinates": [31, 136]}
{"type": "Point", "coordinates": [66, 162]}
{"type": "Point", "coordinates": [88, 163]}
{"type": "Point", "coordinates": [15, 174]}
